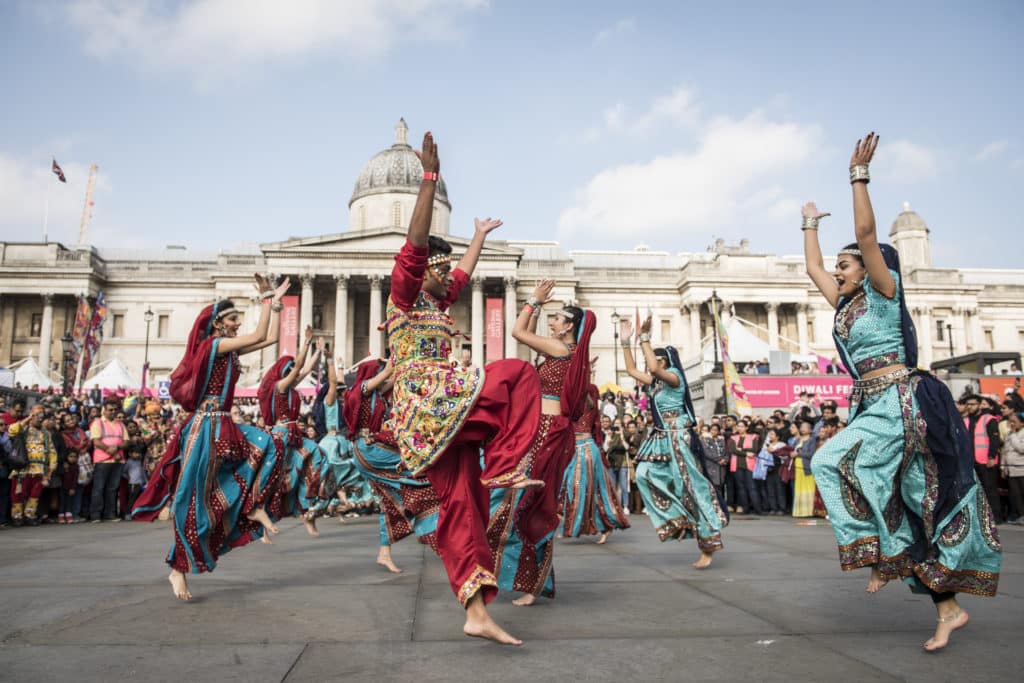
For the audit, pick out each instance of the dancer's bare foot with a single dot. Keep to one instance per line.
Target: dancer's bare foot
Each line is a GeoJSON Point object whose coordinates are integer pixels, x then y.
{"type": "Point", "coordinates": [525, 600]}
{"type": "Point", "coordinates": [179, 585]}
{"type": "Point", "coordinates": [345, 505]}
{"type": "Point", "coordinates": [384, 560]}
{"type": "Point", "coordinates": [265, 540]}
{"type": "Point", "coordinates": [260, 515]}
{"type": "Point", "coordinates": [952, 620]}
{"type": "Point", "coordinates": [310, 523]}
{"type": "Point", "coordinates": [876, 582]}
{"type": "Point", "coordinates": [479, 623]}
{"type": "Point", "coordinates": [704, 562]}
{"type": "Point", "coordinates": [528, 484]}
{"type": "Point", "coordinates": [603, 539]}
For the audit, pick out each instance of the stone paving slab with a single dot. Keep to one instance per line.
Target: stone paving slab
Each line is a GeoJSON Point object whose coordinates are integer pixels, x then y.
{"type": "Point", "coordinates": [92, 603]}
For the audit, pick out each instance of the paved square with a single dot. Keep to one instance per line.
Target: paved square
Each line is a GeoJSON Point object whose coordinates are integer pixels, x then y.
{"type": "Point", "coordinates": [92, 603]}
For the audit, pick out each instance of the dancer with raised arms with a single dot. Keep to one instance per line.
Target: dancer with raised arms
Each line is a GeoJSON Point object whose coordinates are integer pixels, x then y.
{"type": "Point", "coordinates": [679, 499]}
{"type": "Point", "coordinates": [444, 415]}
{"type": "Point", "coordinates": [218, 475]}
{"type": "Point", "coordinates": [899, 480]}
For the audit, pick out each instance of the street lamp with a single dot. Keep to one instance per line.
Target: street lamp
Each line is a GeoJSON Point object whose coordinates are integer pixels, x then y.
{"type": "Point", "coordinates": [714, 302]}
{"type": "Point", "coordinates": [615, 345]}
{"type": "Point", "coordinates": [949, 336]}
{"type": "Point", "coordinates": [67, 345]}
{"type": "Point", "coordinates": [148, 317]}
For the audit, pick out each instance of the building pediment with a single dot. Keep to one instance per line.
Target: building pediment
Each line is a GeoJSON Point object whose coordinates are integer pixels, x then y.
{"type": "Point", "coordinates": [386, 241]}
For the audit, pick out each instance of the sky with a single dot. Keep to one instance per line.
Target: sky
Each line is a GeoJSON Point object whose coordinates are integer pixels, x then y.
{"type": "Point", "coordinates": [603, 125]}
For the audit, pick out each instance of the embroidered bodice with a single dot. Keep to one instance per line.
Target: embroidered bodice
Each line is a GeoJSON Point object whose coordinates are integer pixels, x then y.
{"type": "Point", "coordinates": [432, 394]}
{"type": "Point", "coordinates": [552, 374]}
{"type": "Point", "coordinates": [670, 402]}
{"type": "Point", "coordinates": [585, 425]}
{"type": "Point", "coordinates": [221, 378]}
{"type": "Point", "coordinates": [868, 327]}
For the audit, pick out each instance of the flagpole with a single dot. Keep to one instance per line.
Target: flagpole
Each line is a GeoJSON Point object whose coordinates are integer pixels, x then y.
{"type": "Point", "coordinates": [46, 211]}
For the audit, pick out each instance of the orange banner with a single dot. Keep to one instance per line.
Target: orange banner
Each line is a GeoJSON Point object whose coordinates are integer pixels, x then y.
{"type": "Point", "coordinates": [998, 385]}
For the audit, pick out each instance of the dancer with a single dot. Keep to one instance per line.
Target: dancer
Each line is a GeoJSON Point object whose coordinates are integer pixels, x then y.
{"type": "Point", "coordinates": [677, 494]}
{"type": "Point", "coordinates": [280, 404]}
{"type": "Point", "coordinates": [407, 505]}
{"type": "Point", "coordinates": [338, 474]}
{"type": "Point", "coordinates": [444, 414]}
{"type": "Point", "coordinates": [523, 522]}
{"type": "Point", "coordinates": [218, 475]}
{"type": "Point", "coordinates": [590, 506]}
{"type": "Point", "coordinates": [899, 480]}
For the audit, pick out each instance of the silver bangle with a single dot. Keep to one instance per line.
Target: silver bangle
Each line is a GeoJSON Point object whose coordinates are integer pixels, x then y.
{"type": "Point", "coordinates": [810, 223]}
{"type": "Point", "coordinates": [532, 302]}
{"type": "Point", "coordinates": [859, 172]}
{"type": "Point", "coordinates": [644, 337]}
{"type": "Point", "coordinates": [276, 308]}
{"type": "Point", "coordinates": [269, 294]}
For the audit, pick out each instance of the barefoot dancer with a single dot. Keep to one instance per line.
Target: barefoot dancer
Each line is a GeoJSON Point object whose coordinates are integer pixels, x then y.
{"type": "Point", "coordinates": [590, 506]}
{"type": "Point", "coordinates": [444, 414]}
{"type": "Point", "coordinates": [899, 480]}
{"type": "Point", "coordinates": [407, 505]}
{"type": "Point", "coordinates": [678, 496]}
{"type": "Point", "coordinates": [523, 522]}
{"type": "Point", "coordinates": [280, 404]}
{"type": "Point", "coordinates": [217, 475]}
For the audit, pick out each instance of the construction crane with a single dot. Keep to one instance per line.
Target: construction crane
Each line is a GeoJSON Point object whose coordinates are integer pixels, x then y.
{"type": "Point", "coordinates": [87, 209]}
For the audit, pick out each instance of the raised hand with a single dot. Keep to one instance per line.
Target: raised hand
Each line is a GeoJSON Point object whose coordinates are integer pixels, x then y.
{"type": "Point", "coordinates": [486, 225]}
{"type": "Point", "coordinates": [261, 283]}
{"type": "Point", "coordinates": [645, 326]}
{"type": "Point", "coordinates": [810, 210]}
{"type": "Point", "coordinates": [281, 289]}
{"type": "Point", "coordinates": [321, 344]}
{"type": "Point", "coordinates": [308, 334]}
{"type": "Point", "coordinates": [428, 155]}
{"type": "Point", "coordinates": [864, 150]}
{"type": "Point", "coordinates": [542, 292]}
{"type": "Point", "coordinates": [625, 330]}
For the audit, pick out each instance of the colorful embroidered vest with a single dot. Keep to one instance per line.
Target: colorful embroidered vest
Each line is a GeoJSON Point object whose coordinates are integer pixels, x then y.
{"type": "Point", "coordinates": [432, 395]}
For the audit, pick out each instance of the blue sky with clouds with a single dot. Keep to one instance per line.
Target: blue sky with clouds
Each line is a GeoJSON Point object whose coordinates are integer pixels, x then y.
{"type": "Point", "coordinates": [601, 124]}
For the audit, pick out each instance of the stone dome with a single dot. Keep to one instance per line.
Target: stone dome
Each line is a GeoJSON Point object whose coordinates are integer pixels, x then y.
{"type": "Point", "coordinates": [907, 221]}
{"type": "Point", "coordinates": [395, 170]}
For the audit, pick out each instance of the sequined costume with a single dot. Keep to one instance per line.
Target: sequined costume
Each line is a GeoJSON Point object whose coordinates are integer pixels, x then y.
{"type": "Point", "coordinates": [213, 472]}
{"type": "Point", "coordinates": [443, 416]}
{"type": "Point", "coordinates": [589, 504]}
{"type": "Point", "coordinates": [898, 481]}
{"type": "Point", "coordinates": [678, 497]}
{"type": "Point", "coordinates": [338, 471]}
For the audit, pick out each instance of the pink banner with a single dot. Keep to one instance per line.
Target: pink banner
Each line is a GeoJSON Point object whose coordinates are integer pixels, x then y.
{"type": "Point", "coordinates": [494, 324]}
{"type": "Point", "coordinates": [780, 392]}
{"type": "Point", "coordinates": [288, 343]}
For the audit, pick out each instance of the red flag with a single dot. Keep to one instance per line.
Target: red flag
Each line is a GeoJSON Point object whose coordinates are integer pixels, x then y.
{"type": "Point", "coordinates": [57, 171]}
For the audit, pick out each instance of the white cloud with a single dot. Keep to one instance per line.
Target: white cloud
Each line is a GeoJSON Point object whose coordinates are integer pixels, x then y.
{"type": "Point", "coordinates": [677, 109]}
{"type": "Point", "coordinates": [212, 39]}
{"type": "Point", "coordinates": [25, 188]}
{"type": "Point", "coordinates": [907, 162]}
{"type": "Point", "coordinates": [619, 28]}
{"type": "Point", "coordinates": [697, 190]}
{"type": "Point", "coordinates": [992, 150]}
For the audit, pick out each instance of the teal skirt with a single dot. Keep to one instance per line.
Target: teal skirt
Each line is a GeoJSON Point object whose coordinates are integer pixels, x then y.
{"type": "Point", "coordinates": [407, 505]}
{"type": "Point", "coordinates": [678, 497]}
{"type": "Point", "coordinates": [877, 476]}
{"type": "Point", "coordinates": [589, 505]}
{"type": "Point", "coordinates": [338, 472]}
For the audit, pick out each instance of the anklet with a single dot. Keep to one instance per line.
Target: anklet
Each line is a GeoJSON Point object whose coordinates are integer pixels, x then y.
{"type": "Point", "coordinates": [951, 617]}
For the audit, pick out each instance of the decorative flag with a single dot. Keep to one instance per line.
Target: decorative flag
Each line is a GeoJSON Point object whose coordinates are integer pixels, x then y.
{"type": "Point", "coordinates": [94, 337]}
{"type": "Point", "coordinates": [736, 401]}
{"type": "Point", "coordinates": [494, 326]}
{"type": "Point", "coordinates": [57, 171]}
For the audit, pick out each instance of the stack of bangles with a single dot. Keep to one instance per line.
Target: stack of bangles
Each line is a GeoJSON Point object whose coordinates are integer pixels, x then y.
{"type": "Point", "coordinates": [267, 297]}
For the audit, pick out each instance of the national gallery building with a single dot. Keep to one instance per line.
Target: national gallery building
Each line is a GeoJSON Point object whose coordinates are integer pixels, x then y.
{"type": "Point", "coordinates": [342, 283]}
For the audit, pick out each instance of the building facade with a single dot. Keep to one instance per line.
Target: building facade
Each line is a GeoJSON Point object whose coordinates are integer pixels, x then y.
{"type": "Point", "coordinates": [342, 281]}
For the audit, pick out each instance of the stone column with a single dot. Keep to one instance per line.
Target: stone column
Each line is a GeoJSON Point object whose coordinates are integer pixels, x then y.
{"type": "Point", "coordinates": [773, 324]}
{"type": "Point", "coordinates": [305, 305]}
{"type": "Point", "coordinates": [477, 322]}
{"type": "Point", "coordinates": [511, 347]}
{"type": "Point", "coordinates": [959, 330]}
{"type": "Point", "coordinates": [801, 328]}
{"type": "Point", "coordinates": [375, 314]}
{"type": "Point", "coordinates": [46, 334]}
{"type": "Point", "coordinates": [977, 334]}
{"type": "Point", "coordinates": [340, 317]}
{"type": "Point", "coordinates": [924, 336]}
{"type": "Point", "coordinates": [695, 332]}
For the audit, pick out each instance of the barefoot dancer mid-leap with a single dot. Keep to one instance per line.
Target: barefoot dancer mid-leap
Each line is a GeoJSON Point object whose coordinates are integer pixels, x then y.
{"type": "Point", "coordinates": [444, 414]}
{"type": "Point", "coordinates": [899, 481]}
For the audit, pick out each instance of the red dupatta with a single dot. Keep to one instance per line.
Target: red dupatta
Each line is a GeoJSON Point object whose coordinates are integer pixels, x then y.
{"type": "Point", "coordinates": [354, 398]}
{"type": "Point", "coordinates": [577, 377]}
